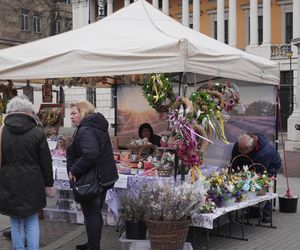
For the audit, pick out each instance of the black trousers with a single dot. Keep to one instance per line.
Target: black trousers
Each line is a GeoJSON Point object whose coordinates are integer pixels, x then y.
{"type": "Point", "coordinates": [93, 220]}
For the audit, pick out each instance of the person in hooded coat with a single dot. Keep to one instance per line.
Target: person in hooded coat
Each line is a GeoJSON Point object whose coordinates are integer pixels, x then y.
{"type": "Point", "coordinates": [89, 148]}
{"type": "Point", "coordinates": [146, 131]}
{"type": "Point", "coordinates": [25, 172]}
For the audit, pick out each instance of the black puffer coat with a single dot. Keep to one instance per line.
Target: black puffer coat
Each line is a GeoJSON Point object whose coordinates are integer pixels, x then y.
{"type": "Point", "coordinates": [26, 168]}
{"type": "Point", "coordinates": [91, 147]}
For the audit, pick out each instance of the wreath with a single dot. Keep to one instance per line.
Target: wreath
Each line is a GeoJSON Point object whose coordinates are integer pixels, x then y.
{"type": "Point", "coordinates": [205, 105]}
{"type": "Point", "coordinates": [231, 96]}
{"type": "Point", "coordinates": [159, 93]}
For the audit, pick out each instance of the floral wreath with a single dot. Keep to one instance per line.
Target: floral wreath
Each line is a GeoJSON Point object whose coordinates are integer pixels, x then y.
{"type": "Point", "coordinates": [231, 97]}
{"type": "Point", "coordinates": [159, 93]}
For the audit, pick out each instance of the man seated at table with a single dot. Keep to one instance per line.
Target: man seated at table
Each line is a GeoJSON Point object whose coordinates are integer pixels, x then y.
{"type": "Point", "coordinates": [259, 149]}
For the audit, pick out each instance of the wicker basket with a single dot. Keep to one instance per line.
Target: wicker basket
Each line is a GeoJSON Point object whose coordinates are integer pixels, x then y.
{"type": "Point", "coordinates": [235, 164]}
{"type": "Point", "coordinates": [143, 149]}
{"type": "Point", "coordinates": [261, 192]}
{"type": "Point", "coordinates": [164, 172]}
{"type": "Point", "coordinates": [166, 235]}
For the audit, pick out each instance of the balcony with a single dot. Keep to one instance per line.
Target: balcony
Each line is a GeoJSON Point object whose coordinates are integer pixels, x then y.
{"type": "Point", "coordinates": [279, 51]}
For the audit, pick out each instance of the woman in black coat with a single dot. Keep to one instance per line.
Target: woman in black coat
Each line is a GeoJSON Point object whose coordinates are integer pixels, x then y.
{"type": "Point", "coordinates": [26, 171]}
{"type": "Point", "coordinates": [91, 148]}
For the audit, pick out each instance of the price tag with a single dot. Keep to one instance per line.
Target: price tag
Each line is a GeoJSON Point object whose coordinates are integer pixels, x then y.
{"type": "Point", "coordinates": [122, 181]}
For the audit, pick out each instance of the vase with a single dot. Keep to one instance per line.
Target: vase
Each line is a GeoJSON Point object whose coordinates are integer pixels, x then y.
{"type": "Point", "coordinates": [135, 230]}
{"type": "Point", "coordinates": [251, 195]}
{"type": "Point", "coordinates": [166, 235]}
{"type": "Point", "coordinates": [288, 204]}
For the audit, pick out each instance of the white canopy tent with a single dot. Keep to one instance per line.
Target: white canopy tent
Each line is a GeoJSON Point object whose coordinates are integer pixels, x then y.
{"type": "Point", "coordinates": [137, 39]}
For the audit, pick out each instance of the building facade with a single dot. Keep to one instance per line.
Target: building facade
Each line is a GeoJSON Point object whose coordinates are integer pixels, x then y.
{"type": "Point", "coordinates": [261, 27]}
{"type": "Point", "coordinates": [24, 21]}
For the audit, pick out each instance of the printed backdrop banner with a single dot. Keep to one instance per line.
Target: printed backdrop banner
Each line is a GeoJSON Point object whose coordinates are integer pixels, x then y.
{"type": "Point", "coordinates": [255, 114]}
{"type": "Point", "coordinates": [133, 110]}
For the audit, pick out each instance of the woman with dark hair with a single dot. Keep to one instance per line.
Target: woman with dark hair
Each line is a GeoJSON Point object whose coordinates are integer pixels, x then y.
{"type": "Point", "coordinates": [146, 131]}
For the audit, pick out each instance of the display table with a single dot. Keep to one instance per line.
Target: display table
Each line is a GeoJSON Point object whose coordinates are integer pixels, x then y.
{"type": "Point", "coordinates": [126, 183]}
{"type": "Point", "coordinates": [206, 220]}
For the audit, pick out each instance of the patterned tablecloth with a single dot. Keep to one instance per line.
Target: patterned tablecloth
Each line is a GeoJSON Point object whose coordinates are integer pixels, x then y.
{"type": "Point", "coordinates": [132, 184]}
{"type": "Point", "coordinates": [206, 220]}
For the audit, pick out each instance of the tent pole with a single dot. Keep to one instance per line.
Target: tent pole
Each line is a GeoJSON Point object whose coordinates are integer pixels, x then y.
{"type": "Point", "coordinates": [116, 107]}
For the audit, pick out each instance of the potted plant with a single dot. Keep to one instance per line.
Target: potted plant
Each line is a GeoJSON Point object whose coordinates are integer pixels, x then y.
{"type": "Point", "coordinates": [131, 211]}
{"type": "Point", "coordinates": [168, 210]}
{"type": "Point", "coordinates": [265, 182]}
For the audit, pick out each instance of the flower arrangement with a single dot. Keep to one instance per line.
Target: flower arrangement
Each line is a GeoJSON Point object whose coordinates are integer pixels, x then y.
{"type": "Point", "coordinates": [165, 202]}
{"type": "Point", "coordinates": [230, 94]}
{"type": "Point", "coordinates": [158, 92]}
{"type": "Point", "coordinates": [264, 181]}
{"type": "Point", "coordinates": [223, 188]}
{"type": "Point", "coordinates": [132, 207]}
{"type": "Point", "coordinates": [49, 117]}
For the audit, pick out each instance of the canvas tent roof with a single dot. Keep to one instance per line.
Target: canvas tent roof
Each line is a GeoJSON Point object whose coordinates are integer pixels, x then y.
{"type": "Point", "coordinates": [137, 39]}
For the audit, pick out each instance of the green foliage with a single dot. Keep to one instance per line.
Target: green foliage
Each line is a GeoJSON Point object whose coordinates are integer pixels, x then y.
{"type": "Point", "coordinates": [261, 108]}
{"type": "Point", "coordinates": [159, 92]}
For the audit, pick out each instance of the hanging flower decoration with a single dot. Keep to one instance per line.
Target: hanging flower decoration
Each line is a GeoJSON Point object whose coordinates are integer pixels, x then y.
{"type": "Point", "coordinates": [191, 139]}
{"type": "Point", "coordinates": [84, 81]}
{"type": "Point", "coordinates": [49, 117]}
{"type": "Point", "coordinates": [159, 93]}
{"type": "Point", "coordinates": [208, 105]}
{"type": "Point", "coordinates": [231, 97]}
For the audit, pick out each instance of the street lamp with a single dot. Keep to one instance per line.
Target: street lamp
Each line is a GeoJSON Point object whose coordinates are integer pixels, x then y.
{"type": "Point", "coordinates": [289, 54]}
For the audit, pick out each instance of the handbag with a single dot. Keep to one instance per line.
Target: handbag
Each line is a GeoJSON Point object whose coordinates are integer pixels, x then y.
{"type": "Point", "coordinates": [87, 186]}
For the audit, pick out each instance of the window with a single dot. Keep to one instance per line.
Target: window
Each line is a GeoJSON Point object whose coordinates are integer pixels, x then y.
{"type": "Point", "coordinates": [260, 29]}
{"type": "Point", "coordinates": [159, 4]}
{"type": "Point", "coordinates": [286, 78]}
{"type": "Point", "coordinates": [58, 27]}
{"type": "Point", "coordinates": [190, 1]}
{"type": "Point", "coordinates": [37, 24]}
{"type": "Point", "coordinates": [288, 27]}
{"type": "Point", "coordinates": [24, 22]}
{"type": "Point", "coordinates": [68, 1]}
{"type": "Point", "coordinates": [225, 31]}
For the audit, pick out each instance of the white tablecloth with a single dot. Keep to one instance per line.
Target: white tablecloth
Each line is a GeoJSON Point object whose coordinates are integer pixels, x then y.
{"type": "Point", "coordinates": [206, 220]}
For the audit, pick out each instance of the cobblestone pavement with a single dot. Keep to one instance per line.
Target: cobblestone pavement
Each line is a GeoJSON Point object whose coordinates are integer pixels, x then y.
{"type": "Point", "coordinates": [50, 232]}
{"type": "Point", "coordinates": [64, 236]}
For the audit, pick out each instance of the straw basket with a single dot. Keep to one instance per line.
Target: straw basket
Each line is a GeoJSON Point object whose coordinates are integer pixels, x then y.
{"type": "Point", "coordinates": [166, 235]}
{"type": "Point", "coordinates": [236, 164]}
{"type": "Point", "coordinates": [164, 172]}
{"type": "Point", "coordinates": [143, 149]}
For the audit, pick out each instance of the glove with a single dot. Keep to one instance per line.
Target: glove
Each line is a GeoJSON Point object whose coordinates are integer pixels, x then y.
{"type": "Point", "coordinates": [50, 192]}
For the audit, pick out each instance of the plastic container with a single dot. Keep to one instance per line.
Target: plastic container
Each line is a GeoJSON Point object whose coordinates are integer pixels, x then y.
{"type": "Point", "coordinates": [54, 214]}
{"type": "Point", "coordinates": [288, 205]}
{"type": "Point", "coordinates": [127, 244]}
{"type": "Point", "coordinates": [136, 230]}
{"type": "Point", "coordinates": [76, 217]}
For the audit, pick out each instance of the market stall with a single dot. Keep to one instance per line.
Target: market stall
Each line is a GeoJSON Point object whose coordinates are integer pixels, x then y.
{"type": "Point", "coordinates": [138, 39]}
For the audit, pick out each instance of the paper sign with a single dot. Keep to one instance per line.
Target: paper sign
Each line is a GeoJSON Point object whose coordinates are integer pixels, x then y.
{"type": "Point", "coordinates": [122, 181]}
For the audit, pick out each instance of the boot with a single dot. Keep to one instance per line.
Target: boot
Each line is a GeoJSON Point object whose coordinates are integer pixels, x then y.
{"type": "Point", "coordinates": [82, 247]}
{"type": "Point", "coordinates": [7, 234]}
